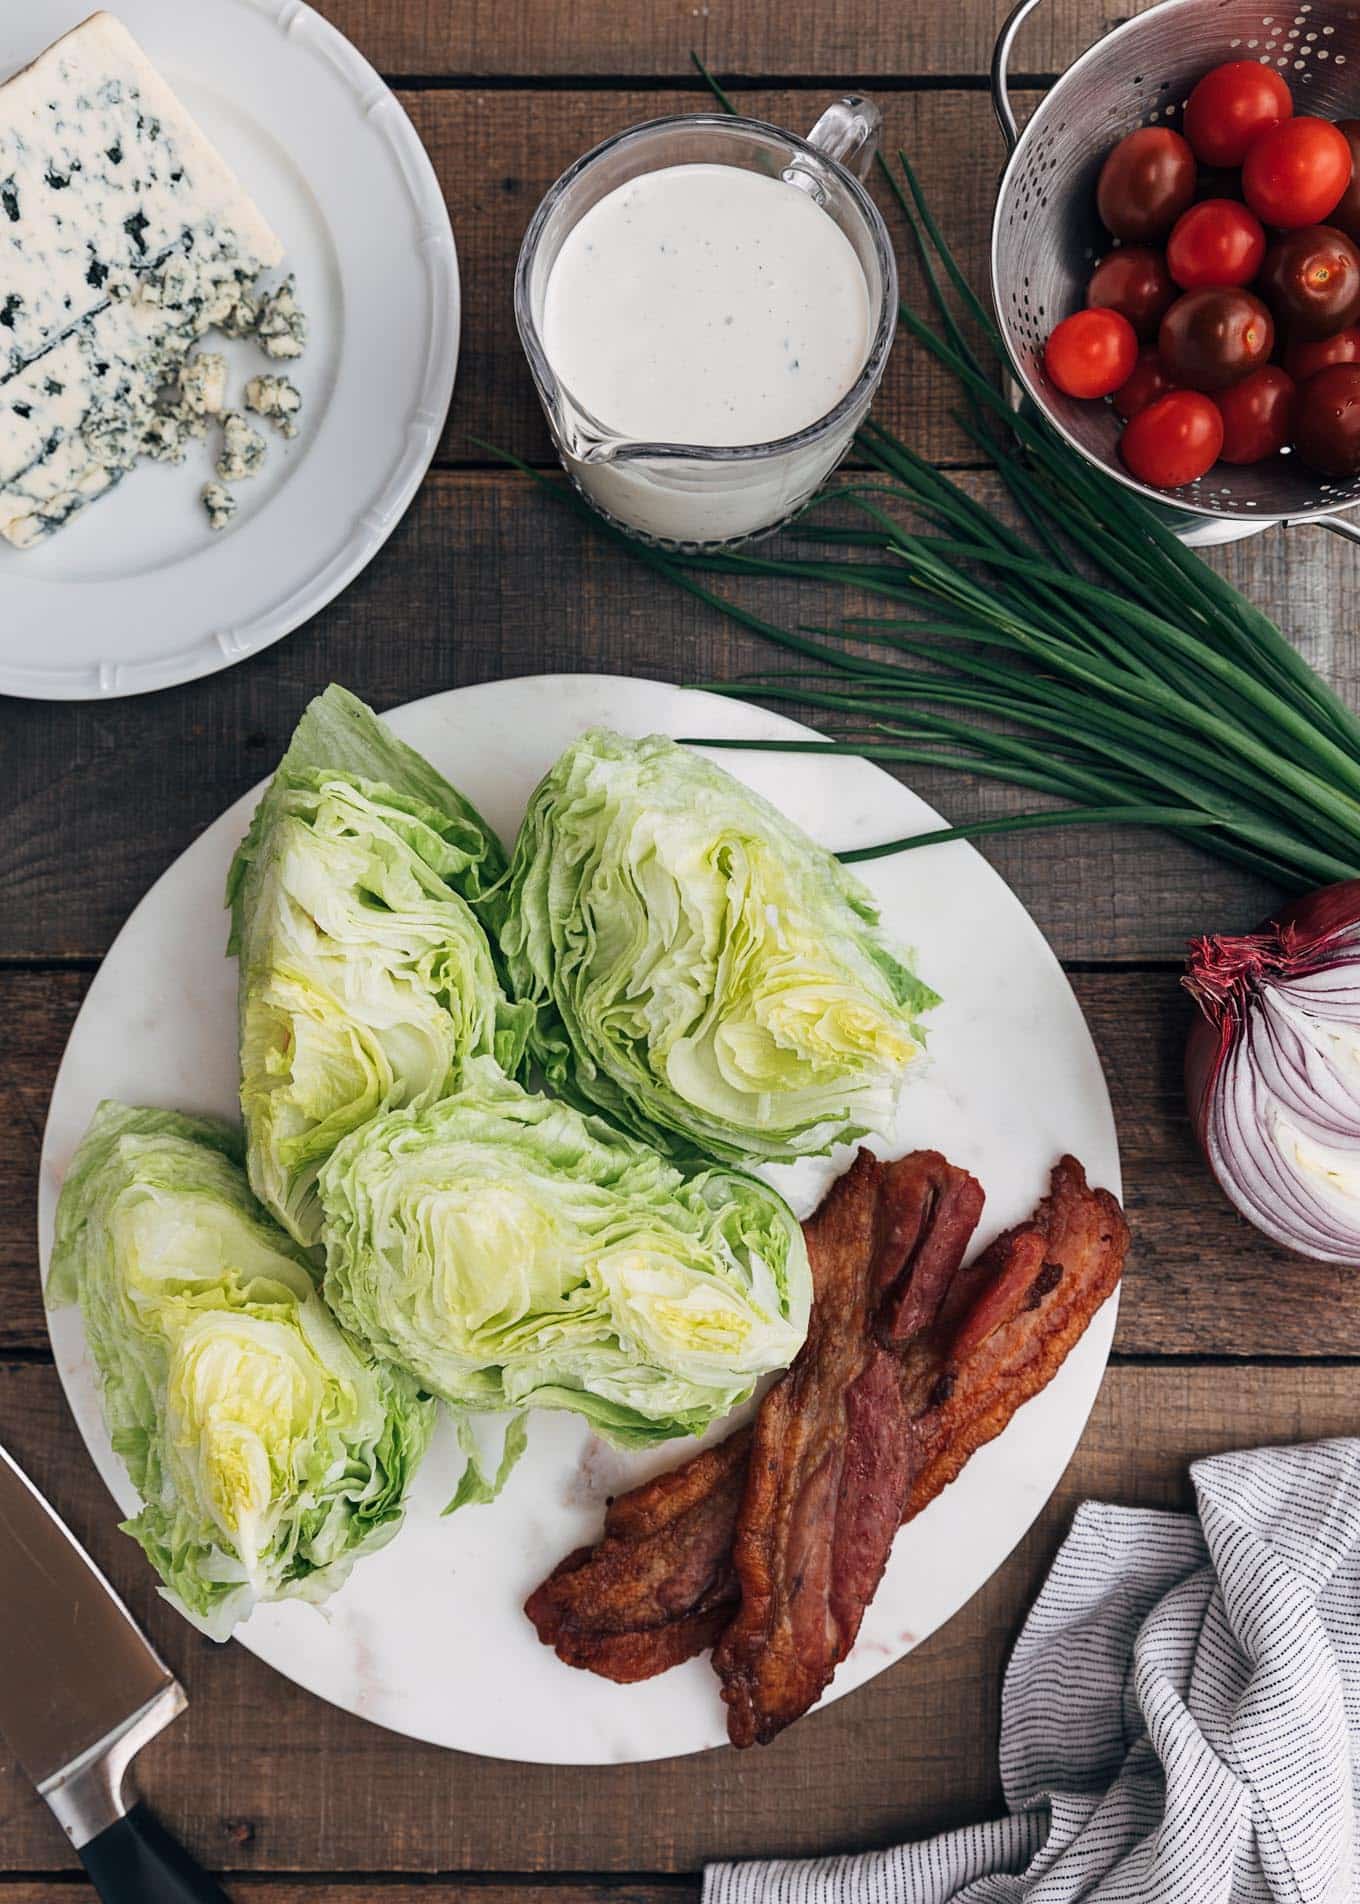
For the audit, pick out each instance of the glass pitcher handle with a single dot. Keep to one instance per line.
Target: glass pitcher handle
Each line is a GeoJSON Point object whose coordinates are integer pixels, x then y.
{"type": "Point", "coordinates": [848, 131]}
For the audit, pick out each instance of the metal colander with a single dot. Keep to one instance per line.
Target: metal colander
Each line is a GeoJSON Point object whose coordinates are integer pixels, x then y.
{"type": "Point", "coordinates": [1046, 236]}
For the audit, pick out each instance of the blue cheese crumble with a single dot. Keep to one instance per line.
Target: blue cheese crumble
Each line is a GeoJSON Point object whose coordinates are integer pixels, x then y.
{"type": "Point", "coordinates": [243, 449]}
{"type": "Point", "coordinates": [277, 400]}
{"type": "Point", "coordinates": [220, 505]}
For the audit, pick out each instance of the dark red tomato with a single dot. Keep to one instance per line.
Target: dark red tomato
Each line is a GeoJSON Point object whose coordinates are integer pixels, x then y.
{"type": "Point", "coordinates": [1230, 107]}
{"type": "Point", "coordinates": [1148, 382]}
{"type": "Point", "coordinates": [1175, 440]}
{"type": "Point", "coordinates": [1345, 214]}
{"type": "Point", "coordinates": [1327, 421]}
{"type": "Point", "coordinates": [1208, 339]}
{"type": "Point", "coordinates": [1257, 414]}
{"type": "Point", "coordinates": [1135, 282]}
{"type": "Point", "coordinates": [1215, 242]}
{"type": "Point", "coordinates": [1146, 183]}
{"type": "Point", "coordinates": [1295, 174]}
{"type": "Point", "coordinates": [1311, 281]}
{"type": "Point", "coordinates": [1091, 353]}
{"type": "Point", "coordinates": [1305, 359]}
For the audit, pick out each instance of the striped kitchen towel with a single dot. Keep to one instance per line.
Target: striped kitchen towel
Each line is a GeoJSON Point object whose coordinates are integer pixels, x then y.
{"type": "Point", "coordinates": [1181, 1717]}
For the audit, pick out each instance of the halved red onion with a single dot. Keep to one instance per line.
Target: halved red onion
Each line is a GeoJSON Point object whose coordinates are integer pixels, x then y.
{"type": "Point", "coordinates": [1272, 1071]}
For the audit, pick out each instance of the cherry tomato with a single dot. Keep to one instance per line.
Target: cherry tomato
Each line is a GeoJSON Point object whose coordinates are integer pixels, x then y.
{"type": "Point", "coordinates": [1091, 353]}
{"type": "Point", "coordinates": [1304, 359]}
{"type": "Point", "coordinates": [1208, 339]}
{"type": "Point", "coordinates": [1133, 281]}
{"type": "Point", "coordinates": [1295, 173]}
{"type": "Point", "coordinates": [1257, 414]}
{"type": "Point", "coordinates": [1215, 242]}
{"type": "Point", "coordinates": [1311, 281]}
{"type": "Point", "coordinates": [1345, 214]}
{"type": "Point", "coordinates": [1148, 382]}
{"type": "Point", "coordinates": [1230, 107]}
{"type": "Point", "coordinates": [1327, 421]}
{"type": "Point", "coordinates": [1174, 440]}
{"type": "Point", "coordinates": [1146, 183]}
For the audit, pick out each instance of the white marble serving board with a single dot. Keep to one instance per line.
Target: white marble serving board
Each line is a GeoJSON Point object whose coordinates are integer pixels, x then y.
{"type": "Point", "coordinates": [428, 1636]}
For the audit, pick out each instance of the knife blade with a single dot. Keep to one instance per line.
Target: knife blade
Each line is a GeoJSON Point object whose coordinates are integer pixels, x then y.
{"type": "Point", "coordinates": [81, 1692]}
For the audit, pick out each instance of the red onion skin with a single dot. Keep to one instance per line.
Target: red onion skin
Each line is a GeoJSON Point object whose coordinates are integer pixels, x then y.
{"type": "Point", "coordinates": [1283, 939]}
{"type": "Point", "coordinates": [1320, 912]}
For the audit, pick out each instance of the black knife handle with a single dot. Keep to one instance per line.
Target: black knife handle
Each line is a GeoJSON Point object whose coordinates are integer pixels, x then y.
{"type": "Point", "coordinates": [136, 1861]}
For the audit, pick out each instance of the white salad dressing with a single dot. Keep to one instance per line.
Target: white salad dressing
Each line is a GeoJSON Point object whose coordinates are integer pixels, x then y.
{"type": "Point", "coordinates": [714, 308]}
{"type": "Point", "coordinates": [707, 305]}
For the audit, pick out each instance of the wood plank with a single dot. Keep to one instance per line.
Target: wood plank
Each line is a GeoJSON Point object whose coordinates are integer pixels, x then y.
{"type": "Point", "coordinates": [497, 153]}
{"type": "Point", "coordinates": [259, 1776]}
{"type": "Point", "coordinates": [256, 1889]}
{"type": "Point", "coordinates": [862, 41]}
{"type": "Point", "coordinates": [487, 578]}
{"type": "Point", "coordinates": [1200, 1281]}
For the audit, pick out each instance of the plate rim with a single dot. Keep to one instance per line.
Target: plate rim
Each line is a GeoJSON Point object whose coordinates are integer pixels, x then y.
{"type": "Point", "coordinates": [377, 514]}
{"type": "Point", "coordinates": [1097, 1340]}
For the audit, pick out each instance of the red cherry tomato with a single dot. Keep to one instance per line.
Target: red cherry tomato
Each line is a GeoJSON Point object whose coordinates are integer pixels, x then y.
{"type": "Point", "coordinates": [1091, 353]}
{"type": "Point", "coordinates": [1257, 415]}
{"type": "Point", "coordinates": [1148, 382]}
{"type": "Point", "coordinates": [1327, 421]}
{"type": "Point", "coordinates": [1146, 183]}
{"type": "Point", "coordinates": [1208, 339]}
{"type": "Point", "coordinates": [1173, 441]}
{"type": "Point", "coordinates": [1295, 173]}
{"type": "Point", "coordinates": [1133, 281]}
{"type": "Point", "coordinates": [1215, 242]}
{"type": "Point", "coordinates": [1304, 359]}
{"type": "Point", "coordinates": [1345, 214]}
{"type": "Point", "coordinates": [1230, 107]}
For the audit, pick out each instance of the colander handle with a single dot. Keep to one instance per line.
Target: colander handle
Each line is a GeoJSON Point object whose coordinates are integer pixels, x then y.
{"type": "Point", "coordinates": [1339, 525]}
{"type": "Point", "coordinates": [1001, 59]}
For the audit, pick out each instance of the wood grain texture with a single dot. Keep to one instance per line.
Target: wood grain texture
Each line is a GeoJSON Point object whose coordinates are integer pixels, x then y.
{"type": "Point", "coordinates": [249, 1888]}
{"type": "Point", "coordinates": [497, 153]}
{"type": "Point", "coordinates": [1199, 1280]}
{"type": "Point", "coordinates": [869, 42]}
{"type": "Point", "coordinates": [487, 577]}
{"type": "Point", "coordinates": [259, 1775]}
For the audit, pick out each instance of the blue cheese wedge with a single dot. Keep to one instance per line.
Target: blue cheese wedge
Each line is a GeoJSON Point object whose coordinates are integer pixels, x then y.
{"type": "Point", "coordinates": [124, 237]}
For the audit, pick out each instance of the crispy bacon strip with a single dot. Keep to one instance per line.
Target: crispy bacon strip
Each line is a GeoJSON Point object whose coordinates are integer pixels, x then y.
{"type": "Point", "coordinates": [1003, 1328]}
{"type": "Point", "coordinates": [833, 1456]}
{"type": "Point", "coordinates": [1010, 1323]}
{"type": "Point", "coordinates": [660, 1586]}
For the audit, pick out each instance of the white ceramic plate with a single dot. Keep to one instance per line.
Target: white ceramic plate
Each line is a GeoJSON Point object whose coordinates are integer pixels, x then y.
{"type": "Point", "coordinates": [427, 1636]}
{"type": "Point", "coordinates": [138, 593]}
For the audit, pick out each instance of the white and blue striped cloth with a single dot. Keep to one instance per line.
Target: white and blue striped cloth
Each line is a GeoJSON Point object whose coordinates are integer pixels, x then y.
{"type": "Point", "coordinates": [1181, 1716]}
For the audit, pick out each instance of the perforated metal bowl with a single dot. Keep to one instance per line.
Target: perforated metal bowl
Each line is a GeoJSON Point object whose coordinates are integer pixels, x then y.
{"type": "Point", "coordinates": [1046, 236]}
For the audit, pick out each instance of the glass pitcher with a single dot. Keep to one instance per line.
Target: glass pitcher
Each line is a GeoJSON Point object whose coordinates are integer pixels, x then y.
{"type": "Point", "coordinates": [684, 495]}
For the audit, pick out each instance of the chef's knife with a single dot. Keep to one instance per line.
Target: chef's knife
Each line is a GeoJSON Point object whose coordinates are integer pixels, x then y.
{"type": "Point", "coordinates": [81, 1692]}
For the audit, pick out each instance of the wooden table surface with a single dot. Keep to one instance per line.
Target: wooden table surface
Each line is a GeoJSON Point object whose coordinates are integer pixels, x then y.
{"type": "Point", "coordinates": [1222, 1340]}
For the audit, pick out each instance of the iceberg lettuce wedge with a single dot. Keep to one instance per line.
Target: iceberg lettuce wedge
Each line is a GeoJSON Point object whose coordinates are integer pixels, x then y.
{"type": "Point", "coordinates": [704, 973]}
{"type": "Point", "coordinates": [512, 1253]}
{"type": "Point", "coordinates": [270, 1451]}
{"type": "Point", "coordinates": [366, 976]}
